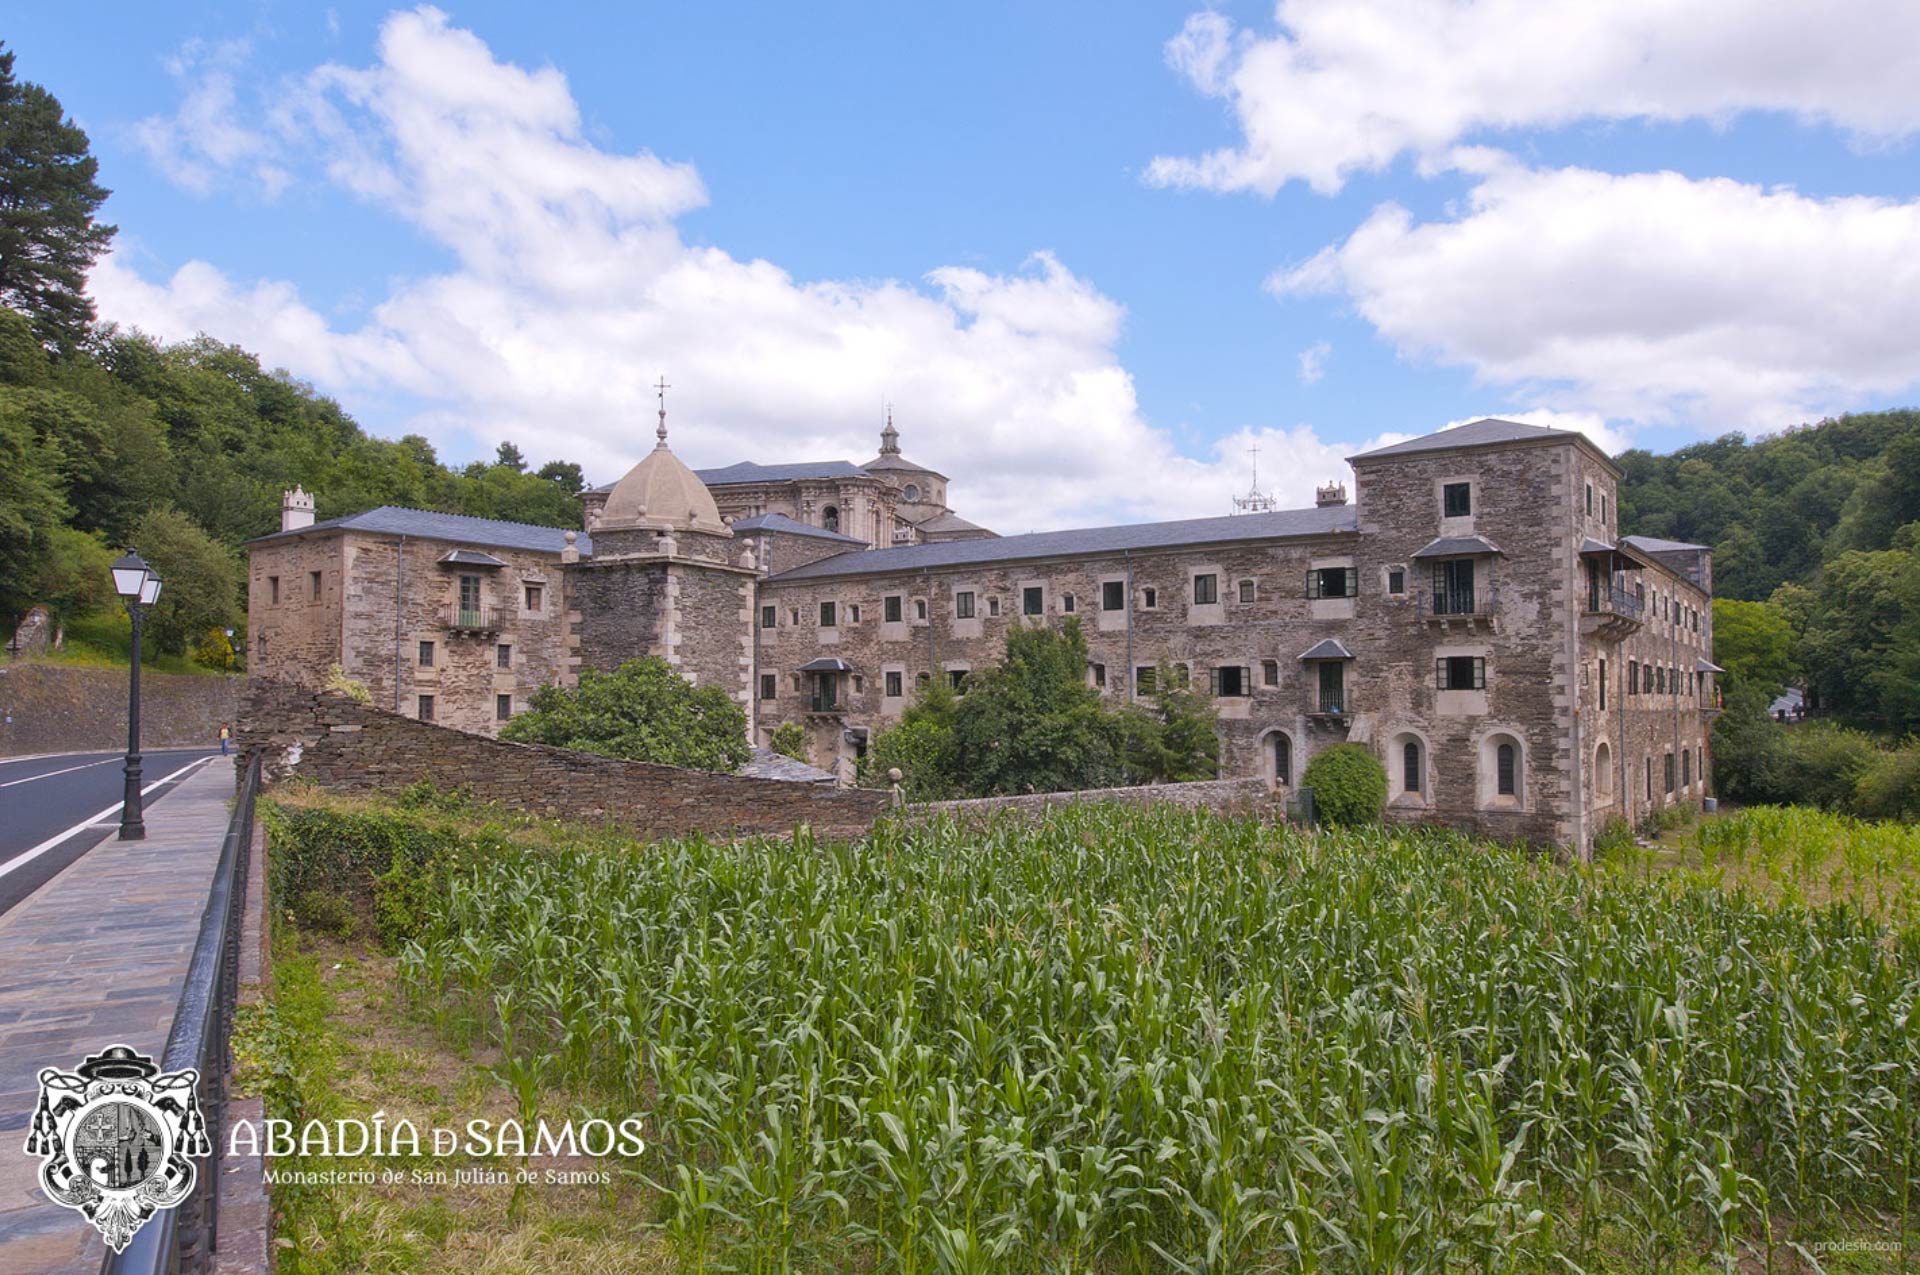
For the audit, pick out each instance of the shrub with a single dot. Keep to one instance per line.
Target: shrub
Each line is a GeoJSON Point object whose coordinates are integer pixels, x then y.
{"type": "Point", "coordinates": [1822, 764]}
{"type": "Point", "coordinates": [1349, 785]}
{"type": "Point", "coordinates": [789, 740]}
{"type": "Point", "coordinates": [324, 912]}
{"type": "Point", "coordinates": [1614, 840]}
{"type": "Point", "coordinates": [642, 711]}
{"type": "Point", "coordinates": [340, 684]}
{"type": "Point", "coordinates": [1890, 787]}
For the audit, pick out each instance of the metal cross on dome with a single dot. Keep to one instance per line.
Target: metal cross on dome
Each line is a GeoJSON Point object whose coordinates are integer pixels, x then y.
{"type": "Point", "coordinates": [661, 387]}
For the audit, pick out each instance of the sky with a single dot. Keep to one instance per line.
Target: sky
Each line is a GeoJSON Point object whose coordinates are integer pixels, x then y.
{"type": "Point", "coordinates": [1092, 254]}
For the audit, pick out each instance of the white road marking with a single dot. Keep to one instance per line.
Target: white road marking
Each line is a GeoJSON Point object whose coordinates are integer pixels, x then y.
{"type": "Point", "coordinates": [21, 860]}
{"type": "Point", "coordinates": [104, 761]}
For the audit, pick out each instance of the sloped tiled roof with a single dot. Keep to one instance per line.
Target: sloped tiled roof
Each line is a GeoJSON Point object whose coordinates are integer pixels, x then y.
{"type": "Point", "coordinates": [749, 472]}
{"type": "Point", "coordinates": [1283, 524]}
{"type": "Point", "coordinates": [1650, 544]}
{"type": "Point", "coordinates": [1327, 649]}
{"type": "Point", "coordinates": [1456, 546]}
{"type": "Point", "coordinates": [393, 520]}
{"type": "Point", "coordinates": [950, 521]}
{"type": "Point", "coordinates": [791, 527]}
{"type": "Point", "coordinates": [1473, 434]}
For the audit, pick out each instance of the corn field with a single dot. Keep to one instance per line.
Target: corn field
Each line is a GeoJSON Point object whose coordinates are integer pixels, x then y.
{"type": "Point", "coordinates": [1805, 854]}
{"type": "Point", "coordinates": [1152, 1040]}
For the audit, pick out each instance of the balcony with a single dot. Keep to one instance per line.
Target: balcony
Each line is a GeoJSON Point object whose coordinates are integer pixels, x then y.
{"type": "Point", "coordinates": [1462, 608]}
{"type": "Point", "coordinates": [476, 619]}
{"type": "Point", "coordinates": [1610, 614]}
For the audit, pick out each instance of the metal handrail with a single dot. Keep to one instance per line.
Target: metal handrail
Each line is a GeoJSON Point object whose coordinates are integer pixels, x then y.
{"type": "Point", "coordinates": [475, 617]}
{"type": "Point", "coordinates": [1615, 600]}
{"type": "Point", "coordinates": [1465, 602]}
{"type": "Point", "coordinates": [185, 1238]}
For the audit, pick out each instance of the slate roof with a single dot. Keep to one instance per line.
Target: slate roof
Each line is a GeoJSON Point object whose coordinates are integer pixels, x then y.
{"type": "Point", "coordinates": [748, 472]}
{"type": "Point", "coordinates": [393, 520]}
{"type": "Point", "coordinates": [767, 764]}
{"type": "Point", "coordinates": [1327, 649]}
{"type": "Point", "coordinates": [950, 521]}
{"type": "Point", "coordinates": [826, 664]}
{"type": "Point", "coordinates": [1473, 434]}
{"type": "Point", "coordinates": [1677, 555]}
{"type": "Point", "coordinates": [471, 558]}
{"type": "Point", "coordinates": [1456, 546]}
{"type": "Point", "coordinates": [1282, 524]}
{"type": "Point", "coordinates": [791, 527]}
{"type": "Point", "coordinates": [1649, 544]}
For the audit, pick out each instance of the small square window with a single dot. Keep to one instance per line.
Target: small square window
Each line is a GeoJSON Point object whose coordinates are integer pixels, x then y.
{"type": "Point", "coordinates": [1397, 582]}
{"type": "Point", "coordinates": [1206, 589]}
{"type": "Point", "coordinates": [502, 707]}
{"type": "Point", "coordinates": [769, 617]}
{"type": "Point", "coordinates": [1067, 603]}
{"type": "Point", "coordinates": [827, 616]}
{"type": "Point", "coordinates": [1270, 672]}
{"type": "Point", "coordinates": [859, 683]}
{"type": "Point", "coordinates": [533, 595]}
{"type": "Point", "coordinates": [426, 655]}
{"type": "Point", "coordinates": [1033, 600]}
{"type": "Point", "coordinates": [963, 605]}
{"type": "Point", "coordinates": [1149, 599]}
{"type": "Point", "coordinates": [993, 606]}
{"type": "Point", "coordinates": [890, 609]}
{"type": "Point", "coordinates": [1099, 675]}
{"type": "Point", "coordinates": [895, 687]}
{"type": "Point", "coordinates": [1113, 595]}
{"type": "Point", "coordinates": [503, 655]}
{"type": "Point", "coordinates": [1457, 499]}
{"type": "Point", "coordinates": [769, 685]}
{"type": "Point", "coordinates": [795, 612]}
{"type": "Point", "coordinates": [1246, 590]}
{"type": "Point", "coordinates": [426, 708]}
{"type": "Point", "coordinates": [958, 678]}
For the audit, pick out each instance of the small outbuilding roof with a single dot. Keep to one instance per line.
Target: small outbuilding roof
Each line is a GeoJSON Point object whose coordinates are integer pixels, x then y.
{"type": "Point", "coordinates": [826, 664]}
{"type": "Point", "coordinates": [1457, 547]}
{"type": "Point", "coordinates": [1327, 649]}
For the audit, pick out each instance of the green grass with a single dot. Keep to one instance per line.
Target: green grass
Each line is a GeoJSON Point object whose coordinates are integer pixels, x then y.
{"type": "Point", "coordinates": [105, 640]}
{"type": "Point", "coordinates": [1153, 1040]}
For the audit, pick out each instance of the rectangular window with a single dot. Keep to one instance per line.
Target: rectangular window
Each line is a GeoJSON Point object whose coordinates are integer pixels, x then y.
{"type": "Point", "coordinates": [426, 655]}
{"type": "Point", "coordinates": [1333, 582]}
{"type": "Point", "coordinates": [895, 684]}
{"type": "Point", "coordinates": [1669, 772]}
{"type": "Point", "coordinates": [1230, 681]}
{"type": "Point", "coordinates": [1066, 603]}
{"type": "Point", "coordinates": [1100, 675]}
{"type": "Point", "coordinates": [1150, 599]}
{"type": "Point", "coordinates": [502, 707]}
{"type": "Point", "coordinates": [958, 678]}
{"type": "Point", "coordinates": [993, 606]}
{"type": "Point", "coordinates": [890, 611]}
{"type": "Point", "coordinates": [1182, 676]}
{"type": "Point", "coordinates": [1686, 767]}
{"type": "Point", "coordinates": [859, 684]}
{"type": "Point", "coordinates": [1461, 673]}
{"type": "Point", "coordinates": [769, 617]}
{"type": "Point", "coordinates": [1270, 672]}
{"type": "Point", "coordinates": [535, 594]}
{"type": "Point", "coordinates": [469, 602]}
{"type": "Point", "coordinates": [1589, 500]}
{"type": "Point", "coordinates": [1113, 595]}
{"type": "Point", "coordinates": [1033, 600]}
{"type": "Point", "coordinates": [1660, 678]}
{"type": "Point", "coordinates": [1457, 499]}
{"type": "Point", "coordinates": [794, 614]}
{"type": "Point", "coordinates": [827, 615]}
{"type": "Point", "coordinates": [1603, 507]}
{"type": "Point", "coordinates": [853, 616]}
{"type": "Point", "coordinates": [920, 609]}
{"type": "Point", "coordinates": [1206, 590]}
{"type": "Point", "coordinates": [273, 590]}
{"type": "Point", "coordinates": [1397, 582]}
{"type": "Point", "coordinates": [1603, 682]}
{"type": "Point", "coordinates": [263, 646]}
{"type": "Point", "coordinates": [313, 584]}
{"type": "Point", "coordinates": [1633, 677]}
{"type": "Point", "coordinates": [963, 605]}
{"type": "Point", "coordinates": [1333, 686]}
{"type": "Point", "coordinates": [1649, 777]}
{"type": "Point", "coordinates": [1144, 678]}
{"type": "Point", "coordinates": [1246, 591]}
{"type": "Point", "coordinates": [1453, 587]}
{"type": "Point", "coordinates": [503, 655]}
{"type": "Point", "coordinates": [769, 685]}
{"type": "Point", "coordinates": [426, 708]}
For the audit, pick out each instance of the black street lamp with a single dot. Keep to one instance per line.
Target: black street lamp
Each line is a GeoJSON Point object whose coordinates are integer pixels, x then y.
{"type": "Point", "coordinates": [139, 588]}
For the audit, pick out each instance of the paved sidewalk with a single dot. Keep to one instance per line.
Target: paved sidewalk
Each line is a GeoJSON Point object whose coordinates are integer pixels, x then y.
{"type": "Point", "coordinates": [96, 957]}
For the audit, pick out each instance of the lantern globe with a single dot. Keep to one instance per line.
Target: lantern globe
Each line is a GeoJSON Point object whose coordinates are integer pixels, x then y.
{"type": "Point", "coordinates": [130, 575]}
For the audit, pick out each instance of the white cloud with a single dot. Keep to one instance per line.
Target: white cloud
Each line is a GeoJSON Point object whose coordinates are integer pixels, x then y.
{"type": "Point", "coordinates": [1649, 296]}
{"type": "Point", "coordinates": [1345, 86]}
{"type": "Point", "coordinates": [205, 137]}
{"type": "Point", "coordinates": [1611, 440]}
{"type": "Point", "coordinates": [1313, 362]}
{"type": "Point", "coordinates": [572, 289]}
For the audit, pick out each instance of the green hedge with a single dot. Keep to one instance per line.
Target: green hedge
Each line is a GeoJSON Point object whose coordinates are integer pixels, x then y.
{"type": "Point", "coordinates": [1349, 785]}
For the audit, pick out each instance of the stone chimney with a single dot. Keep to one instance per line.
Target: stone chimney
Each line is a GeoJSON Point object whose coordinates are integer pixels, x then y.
{"type": "Point", "coordinates": [296, 509]}
{"type": "Point", "coordinates": [1333, 493]}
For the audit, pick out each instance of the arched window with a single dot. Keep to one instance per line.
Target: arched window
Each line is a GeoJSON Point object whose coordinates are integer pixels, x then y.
{"type": "Point", "coordinates": [1603, 770]}
{"type": "Point", "coordinates": [1502, 780]}
{"type": "Point", "coordinates": [1406, 758]}
{"type": "Point", "coordinates": [1410, 766]}
{"type": "Point", "coordinates": [830, 518]}
{"type": "Point", "coordinates": [1282, 759]}
{"type": "Point", "coordinates": [1506, 782]}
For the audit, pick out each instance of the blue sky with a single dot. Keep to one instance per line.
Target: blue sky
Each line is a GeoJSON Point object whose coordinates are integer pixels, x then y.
{"type": "Point", "coordinates": [503, 220]}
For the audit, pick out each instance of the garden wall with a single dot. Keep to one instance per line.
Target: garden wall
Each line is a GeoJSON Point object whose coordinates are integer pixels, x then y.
{"type": "Point", "coordinates": [1223, 796]}
{"type": "Point", "coordinates": [342, 746]}
{"type": "Point", "coordinates": [59, 708]}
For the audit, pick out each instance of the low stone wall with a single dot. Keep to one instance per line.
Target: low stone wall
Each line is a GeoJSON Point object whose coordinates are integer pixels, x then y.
{"type": "Point", "coordinates": [1223, 796]}
{"type": "Point", "coordinates": [342, 746]}
{"type": "Point", "coordinates": [60, 708]}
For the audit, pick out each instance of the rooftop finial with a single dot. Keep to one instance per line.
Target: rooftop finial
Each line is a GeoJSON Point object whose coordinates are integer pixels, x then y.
{"type": "Point", "coordinates": [889, 437]}
{"type": "Point", "coordinates": [1255, 501]}
{"type": "Point", "coordinates": [661, 387]}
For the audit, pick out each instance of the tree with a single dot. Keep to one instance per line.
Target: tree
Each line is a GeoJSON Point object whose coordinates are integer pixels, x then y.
{"type": "Point", "coordinates": [48, 196]}
{"type": "Point", "coordinates": [1349, 785]}
{"type": "Point", "coordinates": [920, 747]}
{"type": "Point", "coordinates": [1755, 644]}
{"type": "Point", "coordinates": [1033, 724]}
{"type": "Point", "coordinates": [642, 711]}
{"type": "Point", "coordinates": [32, 509]}
{"type": "Point", "coordinates": [508, 456]}
{"type": "Point", "coordinates": [1172, 739]}
{"type": "Point", "coordinates": [566, 473]}
{"type": "Point", "coordinates": [198, 577]}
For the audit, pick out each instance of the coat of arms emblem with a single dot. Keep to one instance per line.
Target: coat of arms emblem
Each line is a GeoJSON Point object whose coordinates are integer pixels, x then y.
{"type": "Point", "coordinates": [116, 1135]}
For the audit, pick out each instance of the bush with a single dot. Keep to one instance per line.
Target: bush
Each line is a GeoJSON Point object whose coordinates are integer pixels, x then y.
{"type": "Point", "coordinates": [340, 684]}
{"type": "Point", "coordinates": [1614, 840]}
{"type": "Point", "coordinates": [1349, 785]}
{"type": "Point", "coordinates": [789, 740]}
{"type": "Point", "coordinates": [1890, 787]}
{"type": "Point", "coordinates": [642, 711]}
{"type": "Point", "coordinates": [1822, 763]}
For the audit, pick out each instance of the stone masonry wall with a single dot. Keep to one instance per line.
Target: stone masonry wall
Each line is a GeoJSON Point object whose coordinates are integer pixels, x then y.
{"type": "Point", "coordinates": [55, 708]}
{"type": "Point", "coordinates": [342, 746]}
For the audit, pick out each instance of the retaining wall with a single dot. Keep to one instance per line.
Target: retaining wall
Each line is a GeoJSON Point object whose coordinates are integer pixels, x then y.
{"type": "Point", "coordinates": [59, 708]}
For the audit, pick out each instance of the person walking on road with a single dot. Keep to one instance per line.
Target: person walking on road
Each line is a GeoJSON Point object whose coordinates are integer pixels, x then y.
{"type": "Point", "coordinates": [226, 734]}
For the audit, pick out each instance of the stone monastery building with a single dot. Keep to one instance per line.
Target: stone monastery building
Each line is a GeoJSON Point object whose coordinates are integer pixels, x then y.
{"type": "Point", "coordinates": [1473, 616]}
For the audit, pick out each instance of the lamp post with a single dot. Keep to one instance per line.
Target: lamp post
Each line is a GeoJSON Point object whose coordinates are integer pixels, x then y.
{"type": "Point", "coordinates": [139, 588]}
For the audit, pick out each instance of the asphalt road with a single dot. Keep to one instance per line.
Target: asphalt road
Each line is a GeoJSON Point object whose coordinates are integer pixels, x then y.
{"type": "Point", "coordinates": [55, 809]}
